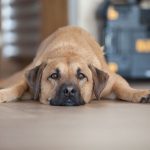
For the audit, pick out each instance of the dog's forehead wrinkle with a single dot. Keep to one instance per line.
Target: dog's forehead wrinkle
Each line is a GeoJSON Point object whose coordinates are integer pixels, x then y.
{"type": "Point", "coordinates": [74, 65]}
{"type": "Point", "coordinates": [62, 67]}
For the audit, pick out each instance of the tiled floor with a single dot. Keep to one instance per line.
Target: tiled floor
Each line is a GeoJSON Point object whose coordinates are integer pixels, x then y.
{"type": "Point", "coordinates": [101, 125]}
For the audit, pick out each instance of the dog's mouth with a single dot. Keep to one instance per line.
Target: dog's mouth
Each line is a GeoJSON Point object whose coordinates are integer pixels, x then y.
{"type": "Point", "coordinates": [69, 102]}
{"type": "Point", "coordinates": [66, 102]}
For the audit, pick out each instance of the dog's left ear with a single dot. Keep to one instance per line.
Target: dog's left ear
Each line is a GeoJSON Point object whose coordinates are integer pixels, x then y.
{"type": "Point", "coordinates": [33, 78]}
{"type": "Point", "coordinates": [100, 79]}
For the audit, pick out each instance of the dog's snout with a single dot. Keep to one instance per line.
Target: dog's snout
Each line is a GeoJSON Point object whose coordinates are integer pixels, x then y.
{"type": "Point", "coordinates": [69, 90]}
{"type": "Point", "coordinates": [68, 95]}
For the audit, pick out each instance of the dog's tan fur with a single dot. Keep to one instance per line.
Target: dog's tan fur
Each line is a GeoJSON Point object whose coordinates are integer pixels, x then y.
{"type": "Point", "coordinates": [69, 48]}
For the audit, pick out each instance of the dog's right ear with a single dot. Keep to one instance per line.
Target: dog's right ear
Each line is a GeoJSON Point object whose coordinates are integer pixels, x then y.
{"type": "Point", "coordinates": [33, 78]}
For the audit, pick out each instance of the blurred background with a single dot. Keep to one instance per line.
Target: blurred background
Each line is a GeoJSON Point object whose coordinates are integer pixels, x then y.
{"type": "Point", "coordinates": [123, 26]}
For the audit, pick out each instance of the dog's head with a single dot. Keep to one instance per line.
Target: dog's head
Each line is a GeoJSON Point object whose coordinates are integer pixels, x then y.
{"type": "Point", "coordinates": [66, 81]}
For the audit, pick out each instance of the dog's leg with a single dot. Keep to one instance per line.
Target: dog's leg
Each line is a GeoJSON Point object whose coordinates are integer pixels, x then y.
{"type": "Point", "coordinates": [14, 92]}
{"type": "Point", "coordinates": [123, 91]}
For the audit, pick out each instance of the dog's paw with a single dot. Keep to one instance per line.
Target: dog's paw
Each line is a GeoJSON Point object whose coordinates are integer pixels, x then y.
{"type": "Point", "coordinates": [145, 99]}
{"type": "Point", "coordinates": [46, 102]}
{"type": "Point", "coordinates": [6, 95]}
{"type": "Point", "coordinates": [3, 97]}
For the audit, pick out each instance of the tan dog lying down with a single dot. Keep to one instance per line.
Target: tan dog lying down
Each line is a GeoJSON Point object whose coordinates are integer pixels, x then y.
{"type": "Point", "coordinates": [70, 69]}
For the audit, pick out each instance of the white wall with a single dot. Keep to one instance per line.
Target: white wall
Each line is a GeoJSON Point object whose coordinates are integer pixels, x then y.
{"type": "Point", "coordinates": [82, 13]}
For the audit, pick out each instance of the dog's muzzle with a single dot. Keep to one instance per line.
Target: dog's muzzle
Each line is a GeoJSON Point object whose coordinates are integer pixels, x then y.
{"type": "Point", "coordinates": [67, 95]}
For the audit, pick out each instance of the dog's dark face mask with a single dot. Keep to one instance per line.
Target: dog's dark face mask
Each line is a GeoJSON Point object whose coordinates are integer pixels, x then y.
{"type": "Point", "coordinates": [67, 95]}
{"type": "Point", "coordinates": [66, 83]}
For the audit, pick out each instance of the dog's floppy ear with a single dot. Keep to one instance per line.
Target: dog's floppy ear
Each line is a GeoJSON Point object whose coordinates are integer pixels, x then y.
{"type": "Point", "coordinates": [33, 78]}
{"type": "Point", "coordinates": [100, 79]}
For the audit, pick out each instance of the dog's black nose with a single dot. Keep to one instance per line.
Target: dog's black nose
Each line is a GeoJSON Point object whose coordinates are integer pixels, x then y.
{"type": "Point", "coordinates": [70, 94]}
{"type": "Point", "coordinates": [69, 90]}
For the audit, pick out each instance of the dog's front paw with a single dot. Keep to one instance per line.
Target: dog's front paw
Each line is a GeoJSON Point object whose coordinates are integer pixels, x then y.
{"type": "Point", "coordinates": [145, 99]}
{"type": "Point", "coordinates": [6, 95]}
{"type": "Point", "coordinates": [46, 102]}
{"type": "Point", "coordinates": [3, 98]}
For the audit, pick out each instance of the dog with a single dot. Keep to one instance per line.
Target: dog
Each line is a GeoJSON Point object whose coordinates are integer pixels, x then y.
{"type": "Point", "coordinates": [70, 70]}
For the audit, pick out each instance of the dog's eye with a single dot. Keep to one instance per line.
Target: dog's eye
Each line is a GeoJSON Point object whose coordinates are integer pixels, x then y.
{"type": "Point", "coordinates": [54, 76]}
{"type": "Point", "coordinates": [81, 76]}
